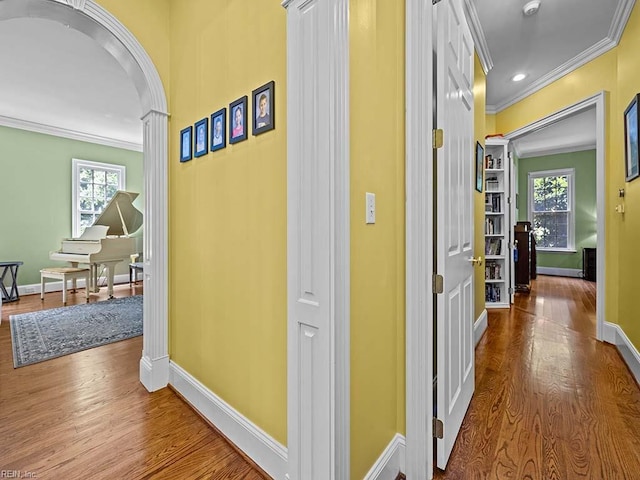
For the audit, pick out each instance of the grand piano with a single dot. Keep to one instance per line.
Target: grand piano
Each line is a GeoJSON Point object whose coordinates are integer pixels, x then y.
{"type": "Point", "coordinates": [107, 242]}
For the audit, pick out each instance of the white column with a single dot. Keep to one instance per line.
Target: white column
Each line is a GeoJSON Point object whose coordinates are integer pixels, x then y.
{"type": "Point", "coordinates": [154, 364]}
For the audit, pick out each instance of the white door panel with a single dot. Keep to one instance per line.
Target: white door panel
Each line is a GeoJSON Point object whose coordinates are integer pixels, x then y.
{"type": "Point", "coordinates": [454, 213]}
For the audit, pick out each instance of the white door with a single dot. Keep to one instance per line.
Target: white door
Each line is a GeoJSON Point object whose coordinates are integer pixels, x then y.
{"type": "Point", "coordinates": [317, 239]}
{"type": "Point", "coordinates": [454, 224]}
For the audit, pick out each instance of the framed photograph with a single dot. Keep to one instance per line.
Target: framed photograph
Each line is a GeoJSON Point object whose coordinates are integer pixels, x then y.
{"type": "Point", "coordinates": [631, 140]}
{"type": "Point", "coordinates": [238, 120]}
{"type": "Point", "coordinates": [262, 99]}
{"type": "Point", "coordinates": [201, 146]}
{"type": "Point", "coordinates": [479, 166]}
{"type": "Point", "coordinates": [185, 144]}
{"type": "Point", "coordinates": [219, 129]}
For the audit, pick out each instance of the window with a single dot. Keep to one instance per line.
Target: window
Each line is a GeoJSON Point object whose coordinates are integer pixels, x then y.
{"type": "Point", "coordinates": [94, 184]}
{"type": "Point", "coordinates": [551, 200]}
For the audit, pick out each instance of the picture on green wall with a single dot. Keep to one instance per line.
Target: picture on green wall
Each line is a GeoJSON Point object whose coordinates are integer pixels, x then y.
{"type": "Point", "coordinates": [631, 140]}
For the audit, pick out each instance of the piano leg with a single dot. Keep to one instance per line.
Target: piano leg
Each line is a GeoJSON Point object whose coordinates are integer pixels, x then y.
{"type": "Point", "coordinates": [111, 267]}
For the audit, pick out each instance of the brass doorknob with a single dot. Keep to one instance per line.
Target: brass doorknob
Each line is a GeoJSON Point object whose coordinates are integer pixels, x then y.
{"type": "Point", "coordinates": [475, 261]}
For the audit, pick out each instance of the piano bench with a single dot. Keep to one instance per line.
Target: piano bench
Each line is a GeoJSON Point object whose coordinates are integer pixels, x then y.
{"type": "Point", "coordinates": [64, 274]}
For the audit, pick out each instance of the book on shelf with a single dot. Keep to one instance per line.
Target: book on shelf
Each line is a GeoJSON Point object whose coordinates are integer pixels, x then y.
{"type": "Point", "coordinates": [492, 184]}
{"type": "Point", "coordinates": [493, 202]}
{"type": "Point", "coordinates": [493, 271]}
{"type": "Point", "coordinates": [492, 293]}
{"type": "Point", "coordinates": [493, 246]}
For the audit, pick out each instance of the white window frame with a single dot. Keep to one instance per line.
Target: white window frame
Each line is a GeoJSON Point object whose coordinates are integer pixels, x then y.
{"type": "Point", "coordinates": [77, 164]}
{"type": "Point", "coordinates": [571, 220]}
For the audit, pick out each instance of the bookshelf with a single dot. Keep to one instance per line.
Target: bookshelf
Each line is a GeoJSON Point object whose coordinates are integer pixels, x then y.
{"type": "Point", "coordinates": [497, 224]}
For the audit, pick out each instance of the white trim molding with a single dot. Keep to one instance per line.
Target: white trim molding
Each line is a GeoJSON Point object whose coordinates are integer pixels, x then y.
{"type": "Point", "coordinates": [597, 101]}
{"type": "Point", "coordinates": [34, 288]}
{"type": "Point", "coordinates": [88, 17]}
{"type": "Point", "coordinates": [615, 335]}
{"type": "Point", "coordinates": [479, 40]}
{"type": "Point", "coordinates": [559, 272]}
{"type": "Point", "coordinates": [480, 326]}
{"type": "Point", "coordinates": [66, 133]}
{"type": "Point", "coordinates": [419, 184]}
{"type": "Point", "coordinates": [269, 454]}
{"type": "Point", "coordinates": [391, 462]}
{"type": "Point", "coordinates": [620, 19]}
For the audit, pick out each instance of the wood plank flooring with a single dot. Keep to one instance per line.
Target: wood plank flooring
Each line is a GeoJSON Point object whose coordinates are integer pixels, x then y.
{"type": "Point", "coordinates": [86, 415]}
{"type": "Point", "coordinates": [551, 402]}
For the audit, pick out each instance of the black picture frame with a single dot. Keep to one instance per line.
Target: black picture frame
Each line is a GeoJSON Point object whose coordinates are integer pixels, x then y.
{"type": "Point", "coordinates": [219, 118]}
{"type": "Point", "coordinates": [479, 166]}
{"type": "Point", "coordinates": [238, 132]}
{"type": "Point", "coordinates": [631, 163]}
{"type": "Point", "coordinates": [263, 101]}
{"type": "Point", "coordinates": [185, 143]}
{"type": "Point", "coordinates": [201, 137]}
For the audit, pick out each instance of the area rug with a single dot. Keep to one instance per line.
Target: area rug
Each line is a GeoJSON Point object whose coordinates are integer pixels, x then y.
{"type": "Point", "coordinates": [47, 334]}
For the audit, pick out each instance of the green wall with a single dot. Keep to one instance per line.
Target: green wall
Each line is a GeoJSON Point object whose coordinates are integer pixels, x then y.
{"type": "Point", "coordinates": [35, 170]}
{"type": "Point", "coordinates": [584, 164]}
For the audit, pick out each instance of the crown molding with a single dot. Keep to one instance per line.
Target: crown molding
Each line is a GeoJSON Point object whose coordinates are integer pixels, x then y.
{"type": "Point", "coordinates": [482, 49]}
{"type": "Point", "coordinates": [591, 53]}
{"type": "Point", "coordinates": [66, 133]}
{"type": "Point", "coordinates": [620, 19]}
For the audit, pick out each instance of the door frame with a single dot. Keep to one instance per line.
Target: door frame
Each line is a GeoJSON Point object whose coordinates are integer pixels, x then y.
{"type": "Point", "coordinates": [598, 101]}
{"type": "Point", "coordinates": [419, 183]}
{"type": "Point", "coordinates": [94, 21]}
{"type": "Point", "coordinates": [336, 45]}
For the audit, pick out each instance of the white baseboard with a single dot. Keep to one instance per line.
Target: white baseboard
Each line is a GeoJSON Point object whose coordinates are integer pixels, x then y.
{"type": "Point", "coordinates": [559, 272]}
{"type": "Point", "coordinates": [391, 462]}
{"type": "Point", "coordinates": [154, 373]}
{"type": "Point", "coordinates": [479, 327]}
{"type": "Point", "coordinates": [614, 334]}
{"type": "Point", "coordinates": [265, 451]}
{"type": "Point", "coordinates": [57, 286]}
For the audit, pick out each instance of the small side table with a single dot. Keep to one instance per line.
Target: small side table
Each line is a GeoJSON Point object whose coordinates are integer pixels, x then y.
{"type": "Point", "coordinates": [134, 268]}
{"type": "Point", "coordinates": [12, 269]}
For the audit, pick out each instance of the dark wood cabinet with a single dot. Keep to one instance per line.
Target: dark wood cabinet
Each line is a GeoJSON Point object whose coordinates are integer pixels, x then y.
{"type": "Point", "coordinates": [525, 255]}
{"type": "Point", "coordinates": [589, 264]}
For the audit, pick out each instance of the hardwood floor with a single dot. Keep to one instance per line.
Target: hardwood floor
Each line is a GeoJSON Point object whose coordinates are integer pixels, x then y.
{"type": "Point", "coordinates": [86, 415]}
{"type": "Point", "coordinates": [551, 402]}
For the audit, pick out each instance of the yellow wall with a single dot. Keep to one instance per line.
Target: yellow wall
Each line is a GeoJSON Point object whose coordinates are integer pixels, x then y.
{"type": "Point", "coordinates": [228, 314]}
{"type": "Point", "coordinates": [490, 123]}
{"type": "Point", "coordinates": [377, 251]}
{"type": "Point", "coordinates": [628, 225]}
{"type": "Point", "coordinates": [480, 130]}
{"type": "Point", "coordinates": [617, 73]}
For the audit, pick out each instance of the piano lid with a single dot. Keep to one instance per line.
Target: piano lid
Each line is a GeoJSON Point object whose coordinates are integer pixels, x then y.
{"type": "Point", "coordinates": [120, 215]}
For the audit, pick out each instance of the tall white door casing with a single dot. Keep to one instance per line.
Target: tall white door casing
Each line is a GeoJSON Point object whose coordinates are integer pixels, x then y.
{"type": "Point", "coordinates": [454, 213]}
{"type": "Point", "coordinates": [318, 239]}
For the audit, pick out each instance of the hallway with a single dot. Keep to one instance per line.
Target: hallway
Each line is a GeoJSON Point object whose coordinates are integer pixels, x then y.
{"type": "Point", "coordinates": [551, 402]}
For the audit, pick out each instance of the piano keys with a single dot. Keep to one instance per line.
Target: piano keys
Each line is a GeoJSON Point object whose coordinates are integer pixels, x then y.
{"type": "Point", "coordinates": [107, 242]}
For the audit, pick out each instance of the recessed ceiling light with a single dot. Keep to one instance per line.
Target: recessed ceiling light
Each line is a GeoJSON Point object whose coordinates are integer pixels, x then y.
{"type": "Point", "coordinates": [531, 7]}
{"type": "Point", "coordinates": [518, 77]}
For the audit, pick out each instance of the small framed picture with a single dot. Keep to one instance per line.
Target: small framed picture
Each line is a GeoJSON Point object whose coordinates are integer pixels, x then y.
{"type": "Point", "coordinates": [219, 129]}
{"type": "Point", "coordinates": [238, 120]}
{"type": "Point", "coordinates": [263, 108]}
{"type": "Point", "coordinates": [185, 144]}
{"type": "Point", "coordinates": [201, 143]}
{"type": "Point", "coordinates": [479, 166]}
{"type": "Point", "coordinates": [631, 115]}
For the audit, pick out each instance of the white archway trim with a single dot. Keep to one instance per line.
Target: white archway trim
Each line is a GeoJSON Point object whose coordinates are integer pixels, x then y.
{"type": "Point", "coordinates": [93, 20]}
{"type": "Point", "coordinates": [596, 101]}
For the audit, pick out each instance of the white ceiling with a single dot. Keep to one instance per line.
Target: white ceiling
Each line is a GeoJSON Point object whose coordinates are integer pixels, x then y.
{"type": "Point", "coordinates": [54, 76]}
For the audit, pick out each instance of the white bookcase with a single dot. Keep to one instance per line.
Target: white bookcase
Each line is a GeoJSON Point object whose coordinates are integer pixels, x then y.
{"type": "Point", "coordinates": [498, 224]}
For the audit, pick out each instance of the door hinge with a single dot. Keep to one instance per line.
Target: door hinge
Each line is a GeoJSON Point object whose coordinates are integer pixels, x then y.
{"type": "Point", "coordinates": [438, 138]}
{"type": "Point", "coordinates": [438, 283]}
{"type": "Point", "coordinates": [438, 428]}
{"type": "Point", "coordinates": [433, 2]}
{"type": "Point", "coordinates": [509, 200]}
{"type": "Point", "coordinates": [510, 291]}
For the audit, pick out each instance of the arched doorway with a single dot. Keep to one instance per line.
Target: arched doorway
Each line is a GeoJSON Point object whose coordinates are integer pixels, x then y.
{"type": "Point", "coordinates": [94, 21]}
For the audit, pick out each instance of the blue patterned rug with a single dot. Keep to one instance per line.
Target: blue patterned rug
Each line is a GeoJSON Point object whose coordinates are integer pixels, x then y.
{"type": "Point", "coordinates": [47, 334]}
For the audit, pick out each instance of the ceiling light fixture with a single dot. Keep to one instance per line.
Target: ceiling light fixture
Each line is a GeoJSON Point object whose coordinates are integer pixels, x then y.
{"type": "Point", "coordinates": [531, 7]}
{"type": "Point", "coordinates": [518, 77]}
